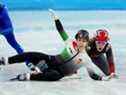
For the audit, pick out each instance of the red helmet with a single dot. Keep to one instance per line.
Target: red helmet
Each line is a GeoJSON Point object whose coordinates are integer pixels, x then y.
{"type": "Point", "coordinates": [102, 35]}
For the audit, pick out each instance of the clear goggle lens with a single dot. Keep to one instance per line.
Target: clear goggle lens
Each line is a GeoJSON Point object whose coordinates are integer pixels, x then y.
{"type": "Point", "coordinates": [101, 42]}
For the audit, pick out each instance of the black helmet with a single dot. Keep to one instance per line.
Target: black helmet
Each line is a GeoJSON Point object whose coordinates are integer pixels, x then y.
{"type": "Point", "coordinates": [82, 34]}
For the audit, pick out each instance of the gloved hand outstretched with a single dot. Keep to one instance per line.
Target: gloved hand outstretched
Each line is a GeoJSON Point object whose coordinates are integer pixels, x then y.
{"type": "Point", "coordinates": [53, 14]}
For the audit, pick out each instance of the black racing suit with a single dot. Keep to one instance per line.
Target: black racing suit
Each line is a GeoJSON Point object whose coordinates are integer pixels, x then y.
{"type": "Point", "coordinates": [105, 63]}
{"type": "Point", "coordinates": [54, 70]}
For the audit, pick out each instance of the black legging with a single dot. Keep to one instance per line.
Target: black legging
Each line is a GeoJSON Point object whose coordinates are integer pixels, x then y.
{"type": "Point", "coordinates": [47, 75]}
{"type": "Point", "coordinates": [50, 74]}
{"type": "Point", "coordinates": [101, 62]}
{"type": "Point", "coordinates": [33, 57]}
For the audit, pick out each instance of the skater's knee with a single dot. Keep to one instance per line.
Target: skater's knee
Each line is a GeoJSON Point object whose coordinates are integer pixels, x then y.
{"type": "Point", "coordinates": [53, 75]}
{"type": "Point", "coordinates": [47, 75]}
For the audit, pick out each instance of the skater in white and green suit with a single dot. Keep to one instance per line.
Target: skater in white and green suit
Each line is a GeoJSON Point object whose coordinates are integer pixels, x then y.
{"type": "Point", "coordinates": [55, 67]}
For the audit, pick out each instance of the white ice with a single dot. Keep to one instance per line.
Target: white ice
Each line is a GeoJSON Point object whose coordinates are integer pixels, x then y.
{"type": "Point", "coordinates": [35, 31]}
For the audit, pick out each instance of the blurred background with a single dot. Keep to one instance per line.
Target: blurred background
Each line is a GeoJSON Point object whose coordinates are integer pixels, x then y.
{"type": "Point", "coordinates": [66, 4]}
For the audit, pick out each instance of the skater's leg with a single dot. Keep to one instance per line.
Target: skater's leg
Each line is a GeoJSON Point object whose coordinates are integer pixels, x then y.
{"type": "Point", "coordinates": [49, 75]}
{"type": "Point", "coordinates": [33, 57]}
{"type": "Point", "coordinates": [12, 41]}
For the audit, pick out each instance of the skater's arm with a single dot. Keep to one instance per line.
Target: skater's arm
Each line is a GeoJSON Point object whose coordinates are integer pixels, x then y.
{"type": "Point", "coordinates": [60, 29]}
{"type": "Point", "coordinates": [110, 59]}
{"type": "Point", "coordinates": [95, 76]}
{"type": "Point", "coordinates": [59, 26]}
{"type": "Point", "coordinates": [93, 71]}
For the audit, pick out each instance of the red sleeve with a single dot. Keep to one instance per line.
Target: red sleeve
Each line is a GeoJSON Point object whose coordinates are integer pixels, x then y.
{"type": "Point", "coordinates": [74, 43]}
{"type": "Point", "coordinates": [110, 60]}
{"type": "Point", "coordinates": [111, 68]}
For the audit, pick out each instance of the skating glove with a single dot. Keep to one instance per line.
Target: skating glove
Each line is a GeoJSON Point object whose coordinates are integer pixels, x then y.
{"type": "Point", "coordinates": [33, 68]}
{"type": "Point", "coordinates": [106, 78]}
{"type": "Point", "coordinates": [53, 14]}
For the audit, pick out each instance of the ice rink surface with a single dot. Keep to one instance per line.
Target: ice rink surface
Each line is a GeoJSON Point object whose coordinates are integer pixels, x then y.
{"type": "Point", "coordinates": [35, 31]}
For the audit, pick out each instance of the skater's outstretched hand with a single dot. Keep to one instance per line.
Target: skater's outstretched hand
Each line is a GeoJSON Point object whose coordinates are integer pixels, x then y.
{"type": "Point", "coordinates": [114, 75]}
{"type": "Point", "coordinates": [53, 14]}
{"type": "Point", "coordinates": [107, 78]}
